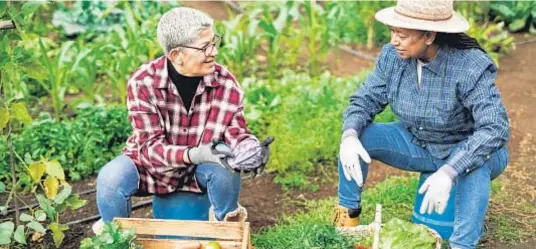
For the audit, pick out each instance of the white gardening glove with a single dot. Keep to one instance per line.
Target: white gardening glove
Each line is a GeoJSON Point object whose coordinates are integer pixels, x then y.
{"type": "Point", "coordinates": [437, 188]}
{"type": "Point", "coordinates": [351, 150]}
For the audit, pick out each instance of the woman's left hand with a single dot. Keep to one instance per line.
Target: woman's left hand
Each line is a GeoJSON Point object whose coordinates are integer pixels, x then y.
{"type": "Point", "coordinates": [437, 188]}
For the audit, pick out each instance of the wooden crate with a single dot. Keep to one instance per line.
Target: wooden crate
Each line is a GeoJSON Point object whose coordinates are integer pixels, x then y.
{"type": "Point", "coordinates": [230, 235]}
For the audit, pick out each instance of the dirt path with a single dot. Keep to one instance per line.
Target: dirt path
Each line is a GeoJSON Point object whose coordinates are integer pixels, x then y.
{"type": "Point", "coordinates": [517, 84]}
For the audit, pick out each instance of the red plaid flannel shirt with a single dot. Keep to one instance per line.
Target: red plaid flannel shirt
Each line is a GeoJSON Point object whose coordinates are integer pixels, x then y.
{"type": "Point", "coordinates": [162, 129]}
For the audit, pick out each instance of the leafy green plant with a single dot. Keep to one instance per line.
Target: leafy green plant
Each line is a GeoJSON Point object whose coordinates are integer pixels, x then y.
{"type": "Point", "coordinates": [304, 113]}
{"type": "Point", "coordinates": [401, 234]}
{"type": "Point", "coordinates": [112, 237]}
{"type": "Point", "coordinates": [97, 16]}
{"type": "Point", "coordinates": [85, 144]}
{"type": "Point", "coordinates": [476, 10]}
{"type": "Point", "coordinates": [493, 38]}
{"type": "Point", "coordinates": [54, 194]}
{"type": "Point", "coordinates": [517, 14]}
{"type": "Point", "coordinates": [350, 27]}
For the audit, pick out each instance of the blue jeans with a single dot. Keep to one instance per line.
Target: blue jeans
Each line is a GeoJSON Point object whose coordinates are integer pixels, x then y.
{"type": "Point", "coordinates": [391, 144]}
{"type": "Point", "coordinates": [119, 180]}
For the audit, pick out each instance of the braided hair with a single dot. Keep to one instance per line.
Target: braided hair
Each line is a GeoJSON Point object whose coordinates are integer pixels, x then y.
{"type": "Point", "coordinates": [457, 40]}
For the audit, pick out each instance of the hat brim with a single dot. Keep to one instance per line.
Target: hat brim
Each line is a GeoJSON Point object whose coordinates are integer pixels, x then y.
{"type": "Point", "coordinates": [455, 24]}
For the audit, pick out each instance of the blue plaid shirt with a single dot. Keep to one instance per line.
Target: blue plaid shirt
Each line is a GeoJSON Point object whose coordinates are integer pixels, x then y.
{"type": "Point", "coordinates": [456, 113]}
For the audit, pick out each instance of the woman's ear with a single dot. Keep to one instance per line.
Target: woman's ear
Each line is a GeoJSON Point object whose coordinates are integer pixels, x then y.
{"type": "Point", "coordinates": [176, 56]}
{"type": "Point", "coordinates": [429, 37]}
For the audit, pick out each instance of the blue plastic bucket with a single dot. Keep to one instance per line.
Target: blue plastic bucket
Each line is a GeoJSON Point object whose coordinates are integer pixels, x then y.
{"type": "Point", "coordinates": [181, 206]}
{"type": "Point", "coordinates": [443, 223]}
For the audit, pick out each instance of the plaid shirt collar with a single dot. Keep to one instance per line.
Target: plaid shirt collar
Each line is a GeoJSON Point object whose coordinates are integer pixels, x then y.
{"type": "Point", "coordinates": [436, 65]}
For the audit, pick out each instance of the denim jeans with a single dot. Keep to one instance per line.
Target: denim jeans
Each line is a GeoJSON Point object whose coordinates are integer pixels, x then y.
{"type": "Point", "coordinates": [391, 144]}
{"type": "Point", "coordinates": [119, 180]}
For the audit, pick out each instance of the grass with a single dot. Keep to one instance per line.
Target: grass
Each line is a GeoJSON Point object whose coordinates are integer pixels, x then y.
{"type": "Point", "coordinates": [312, 229]}
{"type": "Point", "coordinates": [509, 221]}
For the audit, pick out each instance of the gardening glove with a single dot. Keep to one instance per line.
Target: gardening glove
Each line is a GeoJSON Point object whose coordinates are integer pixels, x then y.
{"type": "Point", "coordinates": [214, 152]}
{"type": "Point", "coordinates": [351, 150]}
{"type": "Point", "coordinates": [437, 188]}
{"type": "Point", "coordinates": [251, 156]}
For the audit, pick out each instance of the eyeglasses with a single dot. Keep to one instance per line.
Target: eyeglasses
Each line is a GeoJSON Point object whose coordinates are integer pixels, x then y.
{"type": "Point", "coordinates": [208, 49]}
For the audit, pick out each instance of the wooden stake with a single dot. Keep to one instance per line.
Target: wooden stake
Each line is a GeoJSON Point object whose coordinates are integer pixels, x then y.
{"type": "Point", "coordinates": [7, 25]}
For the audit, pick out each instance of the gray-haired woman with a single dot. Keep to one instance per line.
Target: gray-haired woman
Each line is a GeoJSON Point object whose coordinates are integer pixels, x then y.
{"type": "Point", "coordinates": [441, 85]}
{"type": "Point", "coordinates": [178, 105]}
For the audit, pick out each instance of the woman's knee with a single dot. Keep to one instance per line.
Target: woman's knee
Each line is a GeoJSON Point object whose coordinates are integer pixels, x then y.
{"type": "Point", "coordinates": [498, 162]}
{"type": "Point", "coordinates": [118, 173]}
{"type": "Point", "coordinates": [217, 174]}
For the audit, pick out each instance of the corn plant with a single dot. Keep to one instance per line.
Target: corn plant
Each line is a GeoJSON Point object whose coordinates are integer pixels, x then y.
{"type": "Point", "coordinates": [317, 25]}
{"type": "Point", "coordinates": [240, 43]}
{"type": "Point", "coordinates": [273, 28]}
{"type": "Point", "coordinates": [61, 70]}
{"type": "Point", "coordinates": [125, 48]}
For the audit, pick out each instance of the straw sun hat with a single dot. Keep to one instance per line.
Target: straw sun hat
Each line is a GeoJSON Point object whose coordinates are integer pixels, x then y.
{"type": "Point", "coordinates": [428, 15]}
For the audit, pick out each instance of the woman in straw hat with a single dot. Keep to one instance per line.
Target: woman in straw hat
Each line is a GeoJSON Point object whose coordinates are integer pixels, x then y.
{"type": "Point", "coordinates": [441, 85]}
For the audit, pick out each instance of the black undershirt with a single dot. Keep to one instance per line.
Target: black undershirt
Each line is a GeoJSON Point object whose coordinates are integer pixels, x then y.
{"type": "Point", "coordinates": [187, 86]}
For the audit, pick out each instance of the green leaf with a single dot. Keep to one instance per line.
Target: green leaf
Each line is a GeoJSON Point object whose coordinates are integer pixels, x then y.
{"type": "Point", "coordinates": [57, 231]}
{"type": "Point", "coordinates": [19, 235]}
{"type": "Point", "coordinates": [34, 70]}
{"type": "Point", "coordinates": [30, 7]}
{"type": "Point", "coordinates": [26, 217]}
{"type": "Point", "coordinates": [62, 196]}
{"type": "Point", "coordinates": [46, 205]}
{"type": "Point", "coordinates": [2, 187]}
{"type": "Point", "coordinates": [40, 215]}
{"type": "Point", "coordinates": [51, 187]}
{"type": "Point", "coordinates": [37, 169]}
{"type": "Point", "coordinates": [503, 11]}
{"type": "Point", "coordinates": [3, 7]}
{"type": "Point", "coordinates": [54, 169]}
{"type": "Point", "coordinates": [517, 25]}
{"type": "Point", "coordinates": [4, 118]}
{"type": "Point", "coordinates": [36, 226]}
{"type": "Point", "coordinates": [6, 230]}
{"type": "Point", "coordinates": [20, 112]}
{"type": "Point", "coordinates": [74, 202]}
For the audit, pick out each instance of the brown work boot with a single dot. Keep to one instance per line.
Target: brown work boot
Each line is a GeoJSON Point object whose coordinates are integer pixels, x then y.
{"type": "Point", "coordinates": [344, 217]}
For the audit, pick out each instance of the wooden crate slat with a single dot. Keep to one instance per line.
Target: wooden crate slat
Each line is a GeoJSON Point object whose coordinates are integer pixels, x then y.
{"type": "Point", "coordinates": [245, 237]}
{"type": "Point", "coordinates": [180, 244]}
{"type": "Point", "coordinates": [203, 229]}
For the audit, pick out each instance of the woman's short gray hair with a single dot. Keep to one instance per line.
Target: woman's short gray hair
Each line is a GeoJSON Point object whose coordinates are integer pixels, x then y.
{"type": "Point", "coordinates": [181, 26]}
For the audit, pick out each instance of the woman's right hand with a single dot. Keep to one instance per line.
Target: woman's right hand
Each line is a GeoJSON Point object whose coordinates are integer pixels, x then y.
{"type": "Point", "coordinates": [351, 150]}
